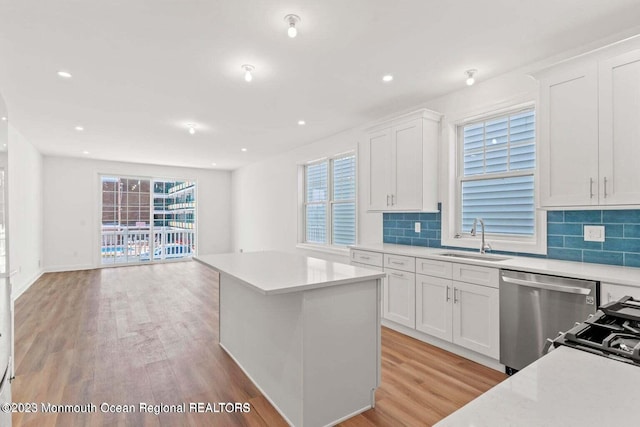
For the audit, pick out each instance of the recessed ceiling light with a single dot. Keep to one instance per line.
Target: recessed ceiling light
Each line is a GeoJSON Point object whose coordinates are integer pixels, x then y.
{"type": "Point", "coordinates": [292, 20]}
{"type": "Point", "coordinates": [4, 119]}
{"type": "Point", "coordinates": [64, 74]}
{"type": "Point", "coordinates": [248, 69]}
{"type": "Point", "coordinates": [85, 152]}
{"type": "Point", "coordinates": [192, 128]}
{"type": "Point", "coordinates": [79, 128]}
{"type": "Point", "coordinates": [387, 78]}
{"type": "Point", "coordinates": [301, 122]}
{"type": "Point", "coordinates": [214, 164]}
{"type": "Point", "coordinates": [243, 149]}
{"type": "Point", "coordinates": [471, 76]}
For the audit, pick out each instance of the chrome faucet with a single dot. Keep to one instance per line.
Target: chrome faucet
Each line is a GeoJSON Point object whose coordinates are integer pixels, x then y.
{"type": "Point", "coordinates": [484, 247]}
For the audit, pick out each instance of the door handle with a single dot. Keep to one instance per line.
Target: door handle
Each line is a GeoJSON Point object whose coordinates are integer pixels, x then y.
{"type": "Point", "coordinates": [547, 286]}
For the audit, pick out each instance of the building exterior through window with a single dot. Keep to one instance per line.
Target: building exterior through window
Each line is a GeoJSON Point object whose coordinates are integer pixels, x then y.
{"type": "Point", "coordinates": [147, 220]}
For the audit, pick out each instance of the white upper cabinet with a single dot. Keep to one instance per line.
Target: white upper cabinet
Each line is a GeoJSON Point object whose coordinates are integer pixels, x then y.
{"type": "Point", "coordinates": [569, 137]}
{"type": "Point", "coordinates": [620, 129]}
{"type": "Point", "coordinates": [590, 133]}
{"type": "Point", "coordinates": [400, 158]}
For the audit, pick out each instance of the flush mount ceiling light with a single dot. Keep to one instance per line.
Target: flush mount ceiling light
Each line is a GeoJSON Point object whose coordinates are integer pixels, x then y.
{"type": "Point", "coordinates": [471, 76]}
{"type": "Point", "coordinates": [85, 152]}
{"type": "Point", "coordinates": [248, 69]}
{"type": "Point", "coordinates": [192, 128]}
{"type": "Point", "coordinates": [79, 128]}
{"type": "Point", "coordinates": [292, 20]}
{"type": "Point", "coordinates": [387, 78]}
{"type": "Point", "coordinates": [301, 122]}
{"type": "Point", "coordinates": [4, 119]}
{"type": "Point", "coordinates": [64, 74]}
{"type": "Point", "coordinates": [214, 164]}
{"type": "Point", "coordinates": [243, 149]}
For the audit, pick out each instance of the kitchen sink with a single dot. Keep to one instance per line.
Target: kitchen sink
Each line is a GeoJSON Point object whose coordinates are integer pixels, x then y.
{"type": "Point", "coordinates": [480, 257]}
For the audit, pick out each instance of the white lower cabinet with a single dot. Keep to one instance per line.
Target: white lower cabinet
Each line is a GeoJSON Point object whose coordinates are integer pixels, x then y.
{"type": "Point", "coordinates": [399, 297]}
{"type": "Point", "coordinates": [476, 324]}
{"type": "Point", "coordinates": [456, 303]}
{"type": "Point", "coordinates": [462, 313]}
{"type": "Point", "coordinates": [610, 292]}
{"type": "Point", "coordinates": [433, 306]}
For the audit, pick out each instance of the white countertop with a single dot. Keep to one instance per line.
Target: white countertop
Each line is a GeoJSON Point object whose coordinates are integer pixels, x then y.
{"type": "Point", "coordinates": [600, 272]}
{"type": "Point", "coordinates": [567, 387]}
{"type": "Point", "coordinates": [279, 272]}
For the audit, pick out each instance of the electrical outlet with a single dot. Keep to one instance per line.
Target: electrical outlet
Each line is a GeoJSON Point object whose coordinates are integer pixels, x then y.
{"type": "Point", "coordinates": [417, 227]}
{"type": "Point", "coordinates": [594, 233]}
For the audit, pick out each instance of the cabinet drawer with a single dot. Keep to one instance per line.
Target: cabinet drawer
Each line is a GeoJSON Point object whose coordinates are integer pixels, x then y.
{"type": "Point", "coordinates": [366, 257]}
{"type": "Point", "coordinates": [399, 262]}
{"type": "Point", "coordinates": [485, 276]}
{"type": "Point", "coordinates": [434, 268]}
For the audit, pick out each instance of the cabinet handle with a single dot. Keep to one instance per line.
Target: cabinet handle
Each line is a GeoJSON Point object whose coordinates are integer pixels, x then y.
{"type": "Point", "coordinates": [448, 294]}
{"type": "Point", "coordinates": [605, 187]}
{"type": "Point", "coordinates": [387, 200]}
{"type": "Point", "coordinates": [364, 257]}
{"type": "Point", "coordinates": [608, 296]}
{"type": "Point", "coordinates": [591, 188]}
{"type": "Point", "coordinates": [398, 274]}
{"type": "Point", "coordinates": [397, 262]}
{"type": "Point", "coordinates": [392, 202]}
{"type": "Point", "coordinates": [455, 295]}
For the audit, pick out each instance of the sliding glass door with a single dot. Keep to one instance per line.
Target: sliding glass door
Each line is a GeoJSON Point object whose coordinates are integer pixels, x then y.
{"type": "Point", "coordinates": [147, 220]}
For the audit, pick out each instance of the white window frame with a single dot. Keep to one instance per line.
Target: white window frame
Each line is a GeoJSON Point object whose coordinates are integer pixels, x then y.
{"type": "Point", "coordinates": [329, 246]}
{"type": "Point", "coordinates": [452, 235]}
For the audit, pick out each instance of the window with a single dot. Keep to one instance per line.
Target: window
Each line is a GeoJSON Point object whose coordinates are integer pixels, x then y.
{"type": "Point", "coordinates": [496, 180]}
{"type": "Point", "coordinates": [330, 201]}
{"type": "Point", "coordinates": [142, 216]}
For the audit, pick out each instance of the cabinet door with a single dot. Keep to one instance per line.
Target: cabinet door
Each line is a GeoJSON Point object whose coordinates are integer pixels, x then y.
{"type": "Point", "coordinates": [400, 297]}
{"type": "Point", "coordinates": [476, 323]}
{"type": "Point", "coordinates": [433, 306]}
{"type": "Point", "coordinates": [569, 137]}
{"type": "Point", "coordinates": [620, 129]}
{"type": "Point", "coordinates": [406, 180]}
{"type": "Point", "coordinates": [610, 292]}
{"type": "Point", "coordinates": [380, 159]}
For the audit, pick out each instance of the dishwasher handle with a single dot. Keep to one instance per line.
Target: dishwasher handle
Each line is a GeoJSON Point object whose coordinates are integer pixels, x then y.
{"type": "Point", "coordinates": [547, 286]}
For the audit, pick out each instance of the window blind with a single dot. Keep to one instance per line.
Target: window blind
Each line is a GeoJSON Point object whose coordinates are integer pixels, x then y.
{"type": "Point", "coordinates": [343, 213]}
{"type": "Point", "coordinates": [330, 193]}
{"type": "Point", "coordinates": [498, 165]}
{"type": "Point", "coordinates": [316, 202]}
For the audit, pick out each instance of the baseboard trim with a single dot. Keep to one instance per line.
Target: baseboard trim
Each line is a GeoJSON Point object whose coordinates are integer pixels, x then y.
{"type": "Point", "coordinates": [64, 268]}
{"type": "Point", "coordinates": [18, 291]}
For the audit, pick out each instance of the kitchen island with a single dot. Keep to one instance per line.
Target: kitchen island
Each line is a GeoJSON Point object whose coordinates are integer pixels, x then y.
{"type": "Point", "coordinates": [565, 388]}
{"type": "Point", "coordinates": [305, 330]}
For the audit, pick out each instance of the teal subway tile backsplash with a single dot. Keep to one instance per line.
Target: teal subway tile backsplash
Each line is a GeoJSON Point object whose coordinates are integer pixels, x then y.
{"type": "Point", "coordinates": [565, 234]}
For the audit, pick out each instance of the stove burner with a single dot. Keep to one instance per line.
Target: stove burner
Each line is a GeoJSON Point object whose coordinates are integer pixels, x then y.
{"type": "Point", "coordinates": [614, 332]}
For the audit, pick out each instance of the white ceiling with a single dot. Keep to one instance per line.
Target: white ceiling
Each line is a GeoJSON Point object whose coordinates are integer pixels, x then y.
{"type": "Point", "coordinates": [142, 69]}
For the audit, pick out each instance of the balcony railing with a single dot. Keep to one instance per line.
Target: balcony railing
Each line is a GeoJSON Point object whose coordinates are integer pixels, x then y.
{"type": "Point", "coordinates": [121, 245]}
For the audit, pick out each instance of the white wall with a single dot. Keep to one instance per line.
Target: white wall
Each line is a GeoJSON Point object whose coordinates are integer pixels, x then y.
{"type": "Point", "coordinates": [265, 194]}
{"type": "Point", "coordinates": [25, 212]}
{"type": "Point", "coordinates": [265, 198]}
{"type": "Point", "coordinates": [72, 208]}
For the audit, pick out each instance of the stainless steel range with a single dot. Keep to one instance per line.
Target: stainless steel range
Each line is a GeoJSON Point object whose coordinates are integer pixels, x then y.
{"type": "Point", "coordinates": [613, 332]}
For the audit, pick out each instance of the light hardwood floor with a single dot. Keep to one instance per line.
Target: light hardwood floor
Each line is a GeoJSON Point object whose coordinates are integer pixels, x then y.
{"type": "Point", "coordinates": [150, 334]}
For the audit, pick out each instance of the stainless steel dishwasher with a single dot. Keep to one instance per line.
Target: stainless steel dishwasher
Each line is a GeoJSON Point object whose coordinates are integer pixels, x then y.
{"type": "Point", "coordinates": [534, 307]}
